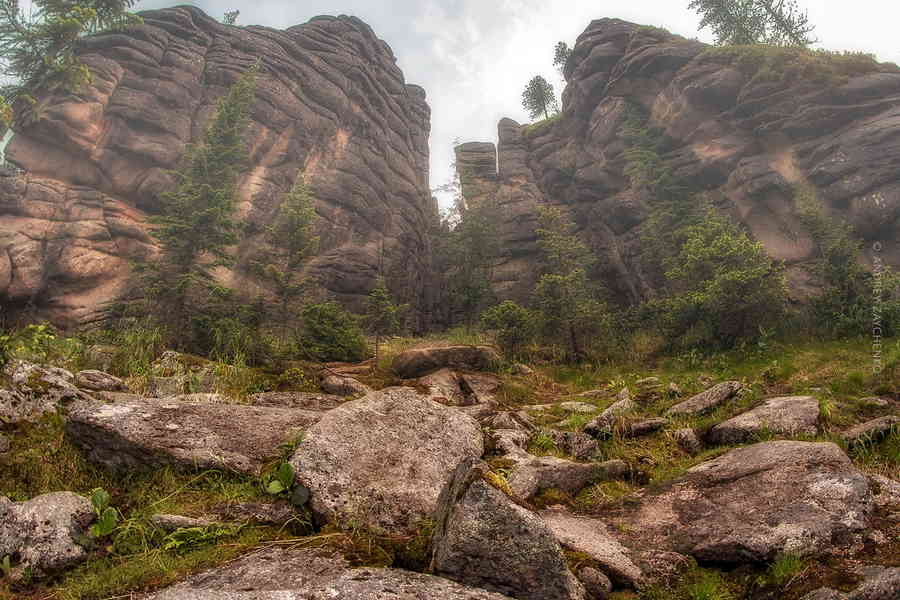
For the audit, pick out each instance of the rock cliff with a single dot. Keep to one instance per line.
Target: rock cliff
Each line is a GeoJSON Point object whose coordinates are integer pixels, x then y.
{"type": "Point", "coordinates": [745, 126]}
{"type": "Point", "coordinates": [331, 104]}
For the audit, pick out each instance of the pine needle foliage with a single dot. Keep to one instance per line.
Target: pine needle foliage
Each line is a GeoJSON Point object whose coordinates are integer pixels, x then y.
{"type": "Point", "coordinates": [743, 22]}
{"type": "Point", "coordinates": [539, 98]}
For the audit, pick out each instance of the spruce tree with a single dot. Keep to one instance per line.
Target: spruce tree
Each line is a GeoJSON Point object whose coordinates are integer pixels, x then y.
{"type": "Point", "coordinates": [382, 314]}
{"type": "Point", "coordinates": [197, 224]}
{"type": "Point", "coordinates": [37, 49]}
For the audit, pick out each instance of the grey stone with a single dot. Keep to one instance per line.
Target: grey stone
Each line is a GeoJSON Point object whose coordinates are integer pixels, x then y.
{"type": "Point", "coordinates": [879, 584]}
{"type": "Point", "coordinates": [644, 427]}
{"type": "Point", "coordinates": [592, 537]}
{"type": "Point", "coordinates": [521, 369]}
{"type": "Point", "coordinates": [687, 440]}
{"type": "Point", "coordinates": [36, 391]}
{"type": "Point", "coordinates": [268, 513]}
{"type": "Point", "coordinates": [510, 441]}
{"type": "Point", "coordinates": [887, 491]}
{"type": "Point", "coordinates": [382, 460]}
{"type": "Point", "coordinates": [344, 386]}
{"type": "Point", "coordinates": [596, 584]}
{"type": "Point", "coordinates": [506, 419]}
{"type": "Point", "coordinates": [4, 444]}
{"type": "Point", "coordinates": [301, 574]}
{"type": "Point", "coordinates": [151, 433]}
{"type": "Point", "coordinates": [42, 533]}
{"type": "Point", "coordinates": [579, 446]}
{"type": "Point", "coordinates": [825, 594]}
{"type": "Point", "coordinates": [787, 415]}
{"type": "Point", "coordinates": [98, 381]}
{"type": "Point", "coordinates": [479, 388]}
{"type": "Point", "coordinates": [165, 387]}
{"type": "Point", "coordinates": [706, 401]}
{"type": "Point", "coordinates": [304, 400]}
{"type": "Point", "coordinates": [533, 474]}
{"type": "Point", "coordinates": [443, 387]}
{"type": "Point", "coordinates": [169, 523]}
{"type": "Point", "coordinates": [485, 540]}
{"type": "Point", "coordinates": [871, 431]}
{"type": "Point", "coordinates": [603, 425]}
{"type": "Point", "coordinates": [753, 503]}
{"type": "Point", "coordinates": [421, 361]}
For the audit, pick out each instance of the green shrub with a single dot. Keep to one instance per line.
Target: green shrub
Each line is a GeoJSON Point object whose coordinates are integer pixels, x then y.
{"type": "Point", "coordinates": [514, 327]}
{"type": "Point", "coordinates": [331, 333]}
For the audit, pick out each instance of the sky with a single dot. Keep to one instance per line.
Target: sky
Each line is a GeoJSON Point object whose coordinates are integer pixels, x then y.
{"type": "Point", "coordinates": [474, 57]}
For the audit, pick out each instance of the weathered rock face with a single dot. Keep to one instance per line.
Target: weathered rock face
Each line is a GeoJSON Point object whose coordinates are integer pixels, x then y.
{"type": "Point", "coordinates": [788, 415]}
{"type": "Point", "coordinates": [744, 139]}
{"type": "Point", "coordinates": [331, 105]}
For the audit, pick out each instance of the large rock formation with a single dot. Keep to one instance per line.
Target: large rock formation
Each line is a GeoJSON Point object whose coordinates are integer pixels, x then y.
{"type": "Point", "coordinates": [331, 105]}
{"type": "Point", "coordinates": [744, 132]}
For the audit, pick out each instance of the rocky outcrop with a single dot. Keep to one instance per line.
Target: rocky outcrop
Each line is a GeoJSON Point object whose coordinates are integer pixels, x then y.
{"type": "Point", "coordinates": [331, 105]}
{"type": "Point", "coordinates": [149, 433]}
{"type": "Point", "coordinates": [35, 391]}
{"type": "Point", "coordinates": [289, 574]}
{"type": "Point", "coordinates": [788, 415]}
{"type": "Point", "coordinates": [754, 503]}
{"type": "Point", "coordinates": [382, 460]}
{"type": "Point", "coordinates": [42, 535]}
{"type": "Point", "coordinates": [706, 401]}
{"type": "Point", "coordinates": [879, 584]}
{"type": "Point", "coordinates": [742, 130]}
{"type": "Point", "coordinates": [421, 361]}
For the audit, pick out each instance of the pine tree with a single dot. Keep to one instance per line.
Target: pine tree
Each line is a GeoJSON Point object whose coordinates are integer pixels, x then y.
{"type": "Point", "coordinates": [775, 22]}
{"type": "Point", "coordinates": [293, 236]}
{"type": "Point", "coordinates": [197, 224]}
{"type": "Point", "coordinates": [564, 296]}
{"type": "Point", "coordinates": [538, 98]}
{"type": "Point", "coordinates": [38, 47]}
{"type": "Point", "coordinates": [231, 17]}
{"type": "Point", "coordinates": [382, 314]}
{"type": "Point", "coordinates": [561, 55]}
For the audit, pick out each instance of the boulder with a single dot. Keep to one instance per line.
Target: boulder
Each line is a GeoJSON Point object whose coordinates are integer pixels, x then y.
{"type": "Point", "coordinates": [521, 369]}
{"type": "Point", "coordinates": [421, 361]}
{"type": "Point", "coordinates": [754, 503]}
{"type": "Point", "coordinates": [35, 391]}
{"type": "Point", "coordinates": [788, 415]}
{"type": "Point", "coordinates": [871, 431]}
{"type": "Point", "coordinates": [887, 491]}
{"type": "Point", "coordinates": [579, 446]}
{"type": "Point", "coordinates": [880, 583]}
{"type": "Point", "coordinates": [301, 574]}
{"type": "Point", "coordinates": [533, 474]}
{"type": "Point", "coordinates": [644, 427]}
{"type": "Point", "coordinates": [688, 440]}
{"type": "Point", "coordinates": [592, 537]}
{"type": "Point", "coordinates": [602, 426]}
{"type": "Point", "coordinates": [304, 400]}
{"type": "Point", "coordinates": [485, 540]}
{"type": "Point", "coordinates": [706, 401]}
{"type": "Point", "coordinates": [505, 419]}
{"type": "Point", "coordinates": [344, 386]}
{"type": "Point", "coordinates": [596, 584]}
{"type": "Point", "coordinates": [479, 388]}
{"type": "Point", "coordinates": [41, 535]}
{"type": "Point", "coordinates": [443, 387]}
{"type": "Point", "coordinates": [382, 460]}
{"type": "Point", "coordinates": [150, 433]}
{"type": "Point", "coordinates": [98, 381]}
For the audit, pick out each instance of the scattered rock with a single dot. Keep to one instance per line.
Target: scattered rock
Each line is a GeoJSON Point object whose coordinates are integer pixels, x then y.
{"type": "Point", "coordinates": [169, 523]}
{"type": "Point", "coordinates": [150, 433]}
{"type": "Point", "coordinates": [593, 394]}
{"type": "Point", "coordinates": [36, 391]}
{"type": "Point", "coordinates": [887, 491]}
{"type": "Point", "coordinates": [304, 400]}
{"type": "Point", "coordinates": [273, 513]}
{"type": "Point", "coordinates": [508, 419]}
{"type": "Point", "coordinates": [880, 584]}
{"type": "Point", "coordinates": [592, 537]}
{"type": "Point", "coordinates": [876, 402]}
{"type": "Point", "coordinates": [688, 441]}
{"type": "Point", "coordinates": [383, 459]}
{"type": "Point", "coordinates": [578, 445]}
{"type": "Point", "coordinates": [871, 431]}
{"type": "Point", "coordinates": [41, 534]}
{"type": "Point", "coordinates": [753, 503]}
{"type": "Point", "coordinates": [533, 474]}
{"type": "Point", "coordinates": [509, 441]}
{"type": "Point", "coordinates": [344, 386]}
{"type": "Point", "coordinates": [4, 444]}
{"type": "Point", "coordinates": [479, 388]}
{"type": "Point", "coordinates": [295, 574]}
{"type": "Point", "coordinates": [165, 387]}
{"type": "Point", "coordinates": [421, 361]}
{"type": "Point", "coordinates": [16, 408]}
{"type": "Point", "coordinates": [705, 402]}
{"type": "Point", "coordinates": [200, 398]}
{"type": "Point", "coordinates": [602, 426]}
{"type": "Point", "coordinates": [520, 369]}
{"type": "Point", "coordinates": [443, 387]}
{"type": "Point", "coordinates": [788, 415]}
{"type": "Point", "coordinates": [572, 407]}
{"type": "Point", "coordinates": [644, 427]}
{"type": "Point", "coordinates": [596, 584]}
{"type": "Point", "coordinates": [98, 381]}
{"type": "Point", "coordinates": [647, 388]}
{"type": "Point", "coordinates": [483, 539]}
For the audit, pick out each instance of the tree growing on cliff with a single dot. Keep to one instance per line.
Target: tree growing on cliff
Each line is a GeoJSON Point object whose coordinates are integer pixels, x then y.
{"type": "Point", "coordinates": [775, 22]}
{"type": "Point", "coordinates": [197, 224]}
{"type": "Point", "coordinates": [565, 298]}
{"type": "Point", "coordinates": [561, 55]}
{"type": "Point", "coordinates": [539, 99]}
{"type": "Point", "coordinates": [231, 17]}
{"type": "Point", "coordinates": [293, 238]}
{"type": "Point", "coordinates": [38, 46]}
